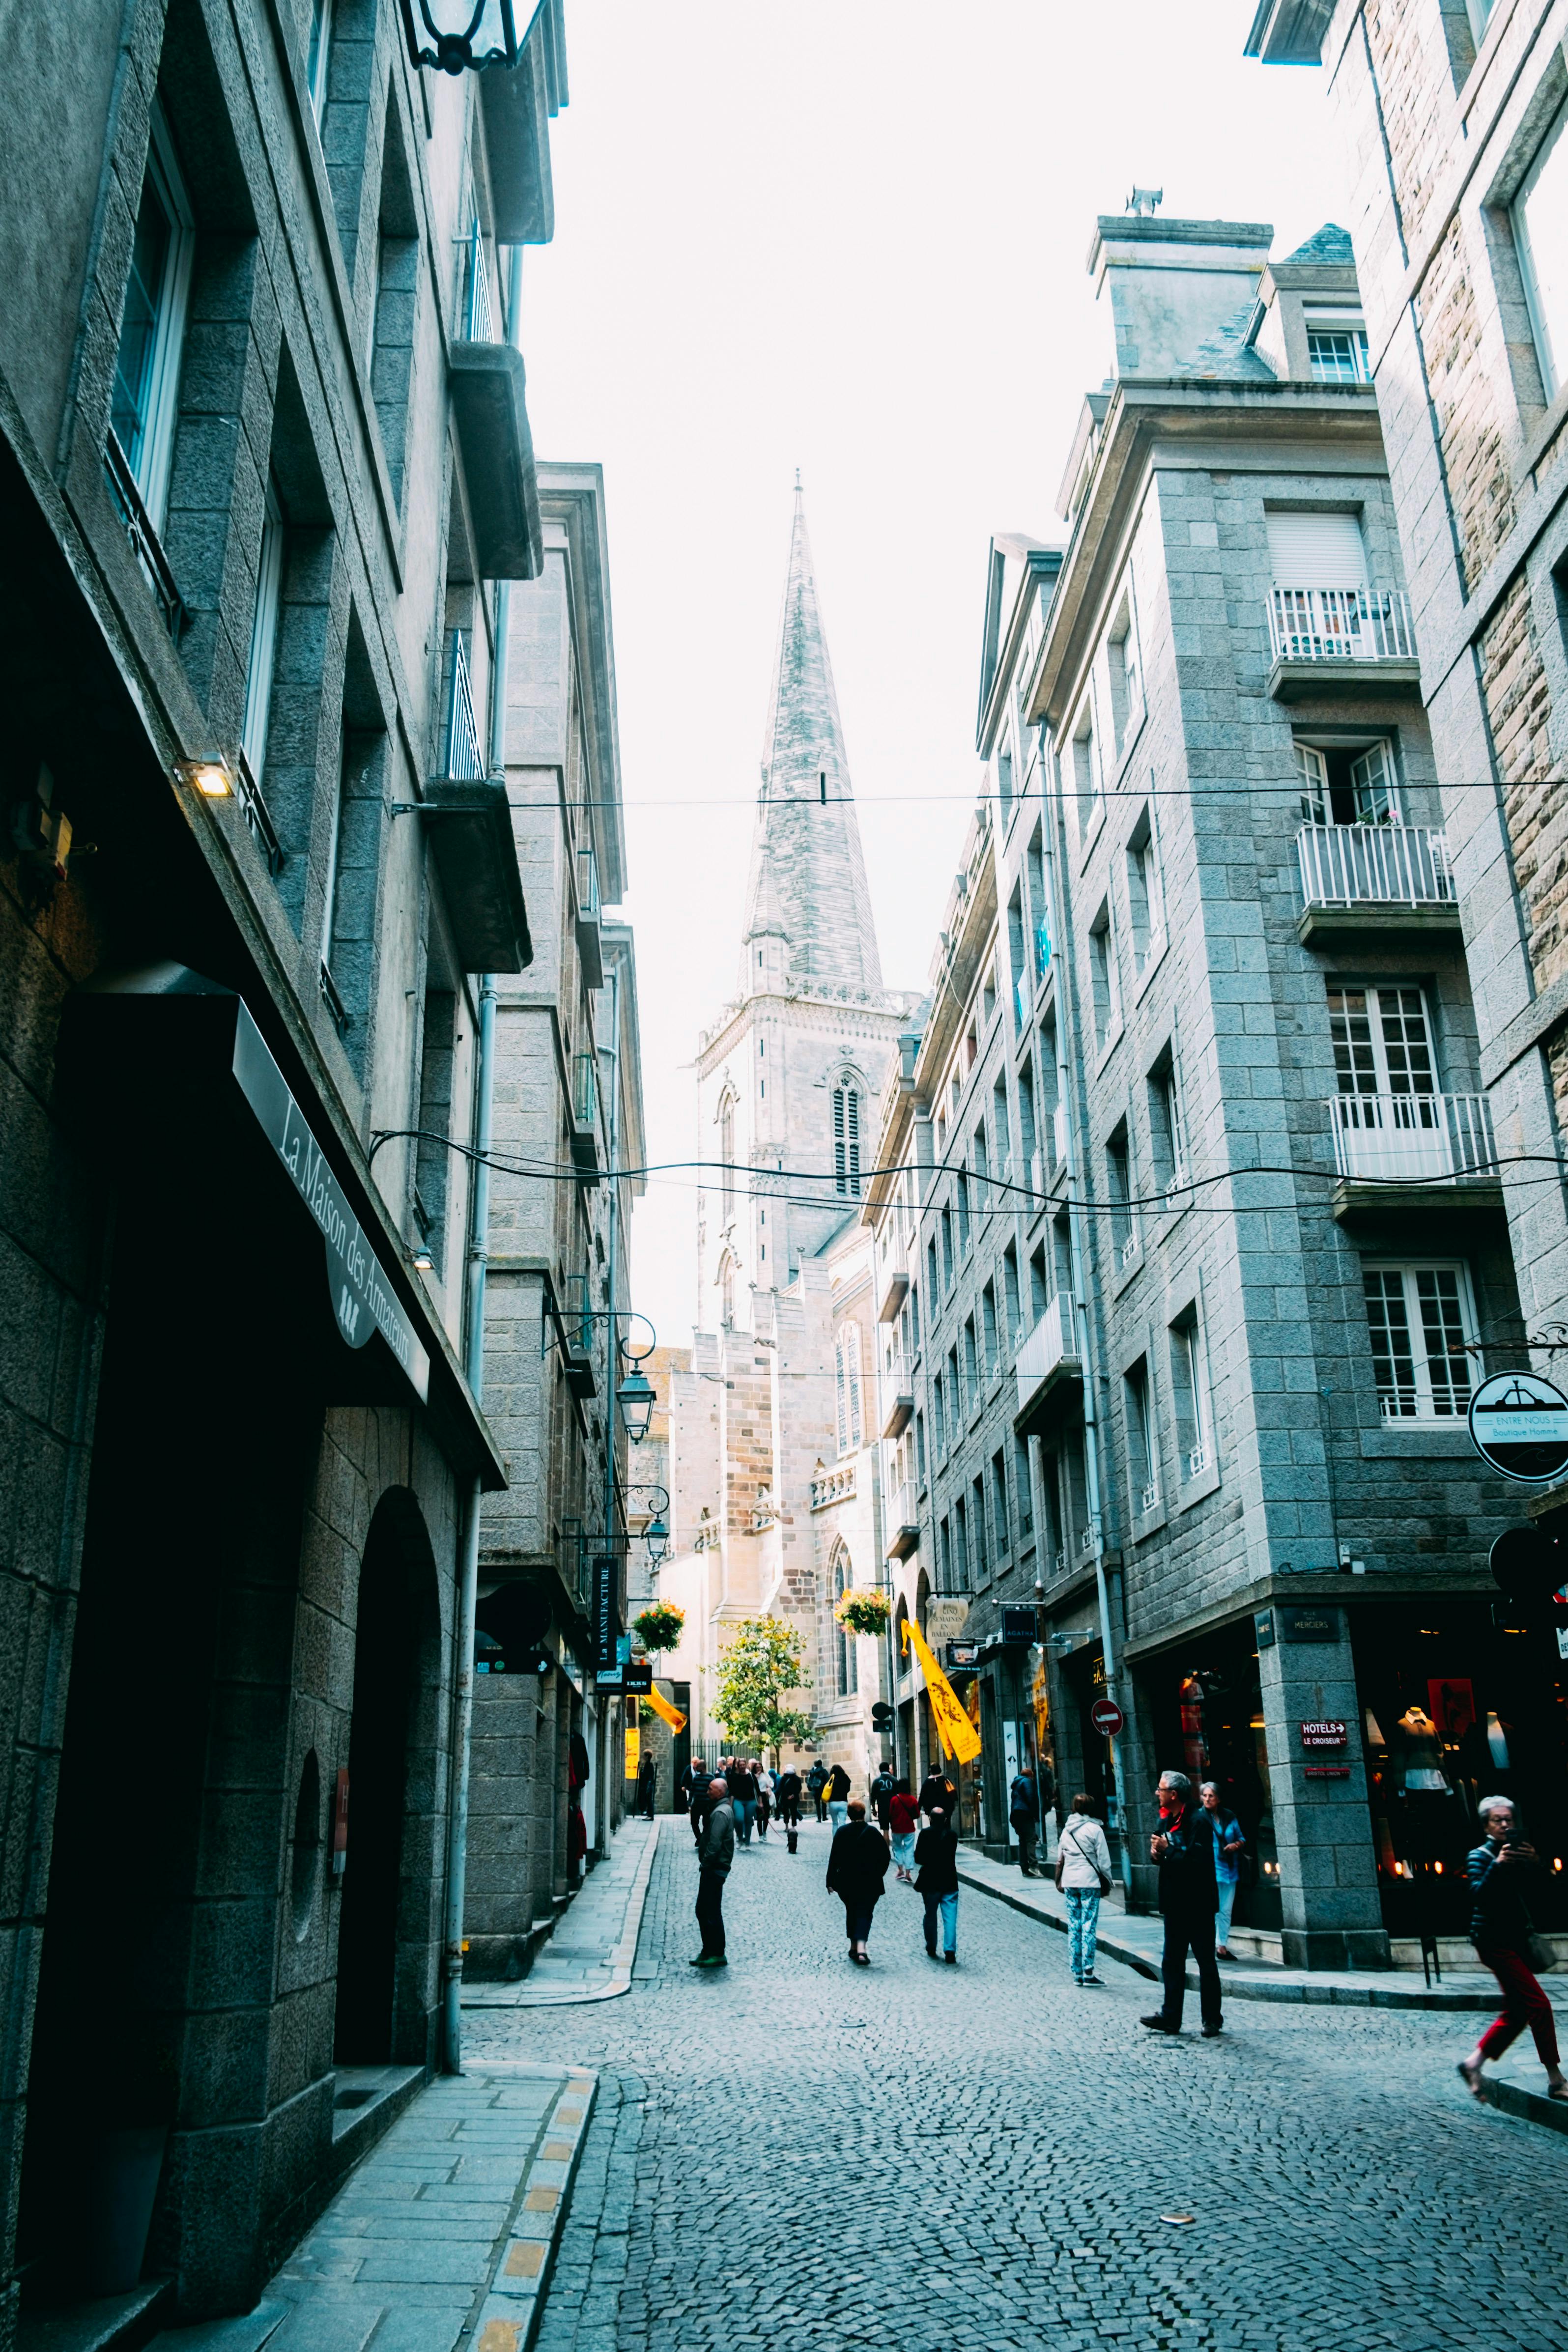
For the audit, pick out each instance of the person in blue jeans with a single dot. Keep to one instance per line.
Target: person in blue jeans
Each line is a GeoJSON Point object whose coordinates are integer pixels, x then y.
{"type": "Point", "coordinates": [742, 1791]}
{"type": "Point", "coordinates": [936, 1858]}
{"type": "Point", "coordinates": [1083, 1875]}
{"type": "Point", "coordinates": [1228, 1847]}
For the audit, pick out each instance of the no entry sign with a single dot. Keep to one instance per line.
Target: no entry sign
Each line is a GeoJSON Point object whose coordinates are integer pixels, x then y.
{"type": "Point", "coordinates": [1519, 1423]}
{"type": "Point", "coordinates": [1107, 1717]}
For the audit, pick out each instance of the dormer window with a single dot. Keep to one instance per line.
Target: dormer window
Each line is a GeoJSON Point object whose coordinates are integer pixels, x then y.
{"type": "Point", "coordinates": [1336, 348]}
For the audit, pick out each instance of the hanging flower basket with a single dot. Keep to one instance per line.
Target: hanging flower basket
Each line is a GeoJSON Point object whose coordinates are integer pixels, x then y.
{"type": "Point", "coordinates": [658, 1628]}
{"type": "Point", "coordinates": [863, 1612]}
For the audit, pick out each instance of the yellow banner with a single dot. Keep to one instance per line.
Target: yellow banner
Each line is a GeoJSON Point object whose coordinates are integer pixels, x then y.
{"type": "Point", "coordinates": [634, 1748]}
{"type": "Point", "coordinates": [661, 1706]}
{"type": "Point", "coordinates": [959, 1737]}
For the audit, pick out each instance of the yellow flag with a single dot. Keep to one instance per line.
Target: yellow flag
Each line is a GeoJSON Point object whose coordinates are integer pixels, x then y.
{"type": "Point", "coordinates": [661, 1706]}
{"type": "Point", "coordinates": [958, 1736]}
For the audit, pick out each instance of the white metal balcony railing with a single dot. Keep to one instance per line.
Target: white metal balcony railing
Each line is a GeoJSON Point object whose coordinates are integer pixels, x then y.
{"type": "Point", "coordinates": [905, 1510]}
{"type": "Point", "coordinates": [1148, 1499]}
{"type": "Point", "coordinates": [1131, 1243]}
{"type": "Point", "coordinates": [1404, 1138]}
{"type": "Point", "coordinates": [1197, 1459]}
{"type": "Point", "coordinates": [1373, 865]}
{"type": "Point", "coordinates": [477, 318]}
{"type": "Point", "coordinates": [892, 1275]}
{"type": "Point", "coordinates": [464, 761]}
{"type": "Point", "coordinates": [1340, 625]}
{"type": "Point", "coordinates": [1052, 1339]}
{"type": "Point", "coordinates": [588, 908]}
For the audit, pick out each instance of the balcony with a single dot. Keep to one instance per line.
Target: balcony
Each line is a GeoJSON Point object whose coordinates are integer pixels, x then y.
{"type": "Point", "coordinates": [489, 409]}
{"type": "Point", "coordinates": [898, 1398]}
{"type": "Point", "coordinates": [1374, 882]}
{"type": "Point", "coordinates": [575, 1323]}
{"type": "Point", "coordinates": [590, 939]}
{"type": "Point", "coordinates": [904, 1521]}
{"type": "Point", "coordinates": [585, 1114]}
{"type": "Point", "coordinates": [1050, 1371]}
{"type": "Point", "coordinates": [1322, 641]}
{"type": "Point", "coordinates": [892, 1276]}
{"type": "Point", "coordinates": [833, 1487]}
{"type": "Point", "coordinates": [1413, 1151]}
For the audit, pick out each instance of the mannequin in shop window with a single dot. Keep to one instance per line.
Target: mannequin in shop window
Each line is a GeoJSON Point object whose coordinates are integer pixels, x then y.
{"type": "Point", "coordinates": [1418, 1753]}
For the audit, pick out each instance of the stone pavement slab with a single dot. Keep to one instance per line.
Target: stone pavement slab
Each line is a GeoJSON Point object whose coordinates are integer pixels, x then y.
{"type": "Point", "coordinates": [1136, 1940]}
{"type": "Point", "coordinates": [590, 1956]}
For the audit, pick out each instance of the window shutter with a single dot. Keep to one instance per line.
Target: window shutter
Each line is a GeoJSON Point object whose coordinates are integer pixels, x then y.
{"type": "Point", "coordinates": [1317, 550]}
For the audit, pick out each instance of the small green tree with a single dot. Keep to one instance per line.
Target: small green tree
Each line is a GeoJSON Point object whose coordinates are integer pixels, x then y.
{"type": "Point", "coordinates": [758, 1669]}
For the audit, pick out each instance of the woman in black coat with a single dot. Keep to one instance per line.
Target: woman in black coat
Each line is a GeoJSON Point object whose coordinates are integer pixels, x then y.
{"type": "Point", "coordinates": [857, 1866]}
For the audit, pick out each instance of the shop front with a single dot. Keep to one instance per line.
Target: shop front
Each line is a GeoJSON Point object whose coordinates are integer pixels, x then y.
{"type": "Point", "coordinates": [1203, 1703]}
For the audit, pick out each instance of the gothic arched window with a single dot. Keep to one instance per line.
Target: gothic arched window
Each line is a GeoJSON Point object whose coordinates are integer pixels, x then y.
{"type": "Point", "coordinates": [727, 1289]}
{"type": "Point", "coordinates": [846, 1673]}
{"type": "Point", "coordinates": [727, 1152]}
{"type": "Point", "coordinates": [847, 1136]}
{"type": "Point", "coordinates": [847, 1369]}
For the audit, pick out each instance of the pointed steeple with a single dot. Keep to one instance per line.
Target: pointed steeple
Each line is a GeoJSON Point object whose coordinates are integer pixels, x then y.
{"type": "Point", "coordinates": [808, 874]}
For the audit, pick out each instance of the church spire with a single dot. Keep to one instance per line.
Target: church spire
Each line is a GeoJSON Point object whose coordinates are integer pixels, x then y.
{"type": "Point", "coordinates": [809, 875]}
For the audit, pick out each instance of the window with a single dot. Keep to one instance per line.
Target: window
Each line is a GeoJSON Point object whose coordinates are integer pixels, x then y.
{"type": "Point", "coordinates": [961, 1194]}
{"type": "Point", "coordinates": [1142, 1458]}
{"type": "Point", "coordinates": [1027, 1119]}
{"type": "Point", "coordinates": [437, 1056]}
{"type": "Point", "coordinates": [1123, 1219]}
{"type": "Point", "coordinates": [1039, 1285]}
{"type": "Point", "coordinates": [977, 1524]}
{"type": "Point", "coordinates": [945, 1228]}
{"type": "Point", "coordinates": [316, 54]}
{"type": "Point", "coordinates": [988, 1333]}
{"type": "Point", "coordinates": [845, 1662]}
{"type": "Point", "coordinates": [1189, 1388]}
{"type": "Point", "coordinates": [1085, 770]}
{"type": "Point", "coordinates": [1121, 671]}
{"type": "Point", "coordinates": [1420, 1320]}
{"type": "Point", "coordinates": [1023, 1489]}
{"type": "Point", "coordinates": [1144, 903]}
{"type": "Point", "coordinates": [1010, 1292]}
{"type": "Point", "coordinates": [1165, 1124]}
{"type": "Point", "coordinates": [1480, 13]}
{"type": "Point", "coordinates": [394, 319]}
{"type": "Point", "coordinates": [1541, 233]}
{"type": "Point", "coordinates": [933, 1288]}
{"type": "Point", "coordinates": [1039, 909]}
{"type": "Point", "coordinates": [971, 1365]}
{"type": "Point", "coordinates": [1348, 783]}
{"type": "Point", "coordinates": [848, 1364]}
{"type": "Point", "coordinates": [1000, 1531]}
{"type": "Point", "coordinates": [1001, 1132]}
{"type": "Point", "coordinates": [988, 996]}
{"type": "Point", "coordinates": [1381, 1043]}
{"type": "Point", "coordinates": [264, 634]}
{"type": "Point", "coordinates": [727, 1152]}
{"type": "Point", "coordinates": [1004, 778]}
{"type": "Point", "coordinates": [1102, 975]}
{"type": "Point", "coordinates": [954, 1395]}
{"type": "Point", "coordinates": [1320, 551]}
{"type": "Point", "coordinates": [846, 1137]}
{"type": "Point", "coordinates": [1021, 984]}
{"type": "Point", "coordinates": [1336, 348]}
{"type": "Point", "coordinates": [153, 327]}
{"type": "Point", "coordinates": [938, 1418]}
{"type": "Point", "coordinates": [921, 1446]}
{"type": "Point", "coordinates": [944, 1540]}
{"type": "Point", "coordinates": [961, 1542]}
{"type": "Point", "coordinates": [334, 862]}
{"type": "Point", "coordinates": [727, 1289]}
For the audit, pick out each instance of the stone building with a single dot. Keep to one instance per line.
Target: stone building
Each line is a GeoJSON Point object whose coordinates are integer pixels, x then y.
{"type": "Point", "coordinates": [1451, 116]}
{"type": "Point", "coordinates": [568, 1109]}
{"type": "Point", "coordinates": [772, 1453]}
{"type": "Point", "coordinates": [1209, 1009]}
{"type": "Point", "coordinates": [264, 472]}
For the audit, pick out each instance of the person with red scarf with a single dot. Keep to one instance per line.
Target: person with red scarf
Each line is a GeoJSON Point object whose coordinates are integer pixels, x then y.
{"type": "Point", "coordinates": [1184, 1846]}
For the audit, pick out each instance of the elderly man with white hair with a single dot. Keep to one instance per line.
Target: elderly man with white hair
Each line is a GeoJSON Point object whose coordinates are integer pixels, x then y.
{"type": "Point", "coordinates": [1501, 1928]}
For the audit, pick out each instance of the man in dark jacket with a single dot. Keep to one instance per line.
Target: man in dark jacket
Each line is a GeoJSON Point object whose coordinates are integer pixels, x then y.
{"type": "Point", "coordinates": [789, 1799]}
{"type": "Point", "coordinates": [936, 1858]}
{"type": "Point", "coordinates": [938, 1792]}
{"type": "Point", "coordinates": [1189, 1898]}
{"type": "Point", "coordinates": [1024, 1812]}
{"type": "Point", "coordinates": [882, 1796]}
{"type": "Point", "coordinates": [715, 1858]}
{"type": "Point", "coordinates": [816, 1781]}
{"type": "Point", "coordinates": [857, 1867]}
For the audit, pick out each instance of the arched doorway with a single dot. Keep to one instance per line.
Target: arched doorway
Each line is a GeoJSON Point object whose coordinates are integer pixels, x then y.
{"type": "Point", "coordinates": [385, 1989]}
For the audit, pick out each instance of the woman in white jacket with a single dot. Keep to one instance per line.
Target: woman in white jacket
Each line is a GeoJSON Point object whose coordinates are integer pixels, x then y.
{"type": "Point", "coordinates": [1083, 1875]}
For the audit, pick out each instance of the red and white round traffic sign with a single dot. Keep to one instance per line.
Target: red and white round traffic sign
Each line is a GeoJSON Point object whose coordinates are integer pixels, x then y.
{"type": "Point", "coordinates": [1107, 1717]}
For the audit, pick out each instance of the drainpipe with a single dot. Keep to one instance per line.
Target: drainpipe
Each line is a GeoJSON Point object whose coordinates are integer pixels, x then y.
{"type": "Point", "coordinates": [1064, 1073]}
{"type": "Point", "coordinates": [474, 1364]}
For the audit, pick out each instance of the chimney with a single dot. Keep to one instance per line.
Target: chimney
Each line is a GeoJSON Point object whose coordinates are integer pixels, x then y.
{"type": "Point", "coordinates": [1173, 283]}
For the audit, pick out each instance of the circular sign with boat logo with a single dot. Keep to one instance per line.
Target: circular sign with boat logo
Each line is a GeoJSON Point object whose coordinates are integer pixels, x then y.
{"type": "Point", "coordinates": [1518, 1423]}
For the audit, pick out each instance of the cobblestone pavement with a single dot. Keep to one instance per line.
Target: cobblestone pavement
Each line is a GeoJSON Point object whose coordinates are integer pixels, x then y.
{"type": "Point", "coordinates": [794, 2153]}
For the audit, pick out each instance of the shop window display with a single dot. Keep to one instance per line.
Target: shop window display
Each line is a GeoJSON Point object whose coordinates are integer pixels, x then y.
{"type": "Point", "coordinates": [1207, 1717]}
{"type": "Point", "coordinates": [1455, 1708]}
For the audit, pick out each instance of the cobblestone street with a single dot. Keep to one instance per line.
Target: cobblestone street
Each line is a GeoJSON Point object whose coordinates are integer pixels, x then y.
{"type": "Point", "coordinates": [791, 2152]}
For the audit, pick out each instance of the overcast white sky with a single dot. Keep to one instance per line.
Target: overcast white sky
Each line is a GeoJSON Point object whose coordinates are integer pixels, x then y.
{"type": "Point", "coordinates": [848, 236]}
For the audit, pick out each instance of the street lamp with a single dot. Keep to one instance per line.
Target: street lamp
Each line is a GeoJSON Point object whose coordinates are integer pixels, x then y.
{"type": "Point", "coordinates": [455, 34]}
{"type": "Point", "coordinates": [637, 1399]}
{"type": "Point", "coordinates": [656, 1535]}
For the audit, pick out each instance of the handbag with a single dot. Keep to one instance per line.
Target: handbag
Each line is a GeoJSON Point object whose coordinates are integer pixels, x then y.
{"type": "Point", "coordinates": [1541, 1955]}
{"type": "Point", "coordinates": [1061, 1865]}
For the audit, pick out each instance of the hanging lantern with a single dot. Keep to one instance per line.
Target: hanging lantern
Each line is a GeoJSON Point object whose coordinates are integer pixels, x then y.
{"type": "Point", "coordinates": [455, 35]}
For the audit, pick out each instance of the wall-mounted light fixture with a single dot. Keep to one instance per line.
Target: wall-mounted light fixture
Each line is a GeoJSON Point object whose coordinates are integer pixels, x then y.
{"type": "Point", "coordinates": [455, 35]}
{"type": "Point", "coordinates": [211, 777]}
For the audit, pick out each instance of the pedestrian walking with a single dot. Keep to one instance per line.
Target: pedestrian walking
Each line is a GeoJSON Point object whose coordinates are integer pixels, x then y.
{"type": "Point", "coordinates": [937, 1886]}
{"type": "Point", "coordinates": [903, 1820]}
{"type": "Point", "coordinates": [816, 1781]}
{"type": "Point", "coordinates": [882, 1796]}
{"type": "Point", "coordinates": [1184, 1846]}
{"type": "Point", "coordinates": [1024, 1812]}
{"type": "Point", "coordinates": [702, 1802]}
{"type": "Point", "coordinates": [789, 1790]}
{"type": "Point", "coordinates": [742, 1791]}
{"type": "Point", "coordinates": [1500, 1870]}
{"type": "Point", "coordinates": [648, 1783]}
{"type": "Point", "coordinates": [938, 1792]}
{"type": "Point", "coordinates": [835, 1796]}
{"type": "Point", "coordinates": [715, 1858]}
{"type": "Point", "coordinates": [1229, 1845]}
{"type": "Point", "coordinates": [764, 1780]}
{"type": "Point", "coordinates": [1083, 1875]}
{"type": "Point", "coordinates": [694, 1778]}
{"type": "Point", "coordinates": [857, 1868]}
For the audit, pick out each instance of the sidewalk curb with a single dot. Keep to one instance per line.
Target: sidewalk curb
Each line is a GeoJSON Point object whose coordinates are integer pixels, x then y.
{"type": "Point", "coordinates": [621, 1954]}
{"type": "Point", "coordinates": [1525, 2106]}
{"type": "Point", "coordinates": [514, 2300]}
{"type": "Point", "coordinates": [1240, 1986]}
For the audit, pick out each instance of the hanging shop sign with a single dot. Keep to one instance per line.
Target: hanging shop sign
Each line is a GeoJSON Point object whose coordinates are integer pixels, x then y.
{"type": "Point", "coordinates": [606, 1646]}
{"type": "Point", "coordinates": [1019, 1625]}
{"type": "Point", "coordinates": [1518, 1425]}
{"type": "Point", "coordinates": [946, 1616]}
{"type": "Point", "coordinates": [363, 1299]}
